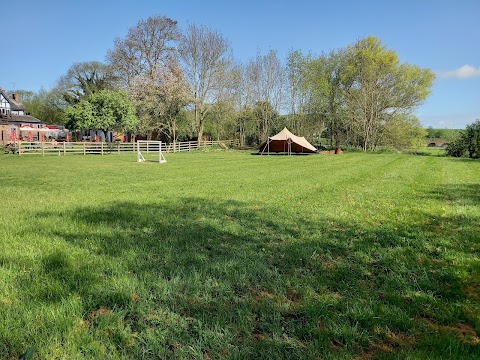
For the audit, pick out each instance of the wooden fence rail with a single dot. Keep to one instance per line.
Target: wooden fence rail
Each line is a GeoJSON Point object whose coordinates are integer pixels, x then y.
{"type": "Point", "coordinates": [101, 148]}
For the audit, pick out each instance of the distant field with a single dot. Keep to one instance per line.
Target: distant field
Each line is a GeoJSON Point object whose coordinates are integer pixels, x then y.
{"type": "Point", "coordinates": [225, 254]}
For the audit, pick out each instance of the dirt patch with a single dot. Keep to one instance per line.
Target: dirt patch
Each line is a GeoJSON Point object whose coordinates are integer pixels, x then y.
{"type": "Point", "coordinates": [99, 312]}
{"type": "Point", "coordinates": [391, 344]}
{"type": "Point", "coordinates": [463, 332]}
{"type": "Point", "coordinates": [473, 292]}
{"type": "Point", "coordinates": [258, 336]}
{"type": "Point", "coordinates": [264, 295]}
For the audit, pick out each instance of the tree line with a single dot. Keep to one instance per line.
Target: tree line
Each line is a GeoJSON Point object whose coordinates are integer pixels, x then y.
{"type": "Point", "coordinates": [167, 83]}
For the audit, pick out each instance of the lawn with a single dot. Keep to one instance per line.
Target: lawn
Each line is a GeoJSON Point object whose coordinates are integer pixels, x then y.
{"type": "Point", "coordinates": [224, 254]}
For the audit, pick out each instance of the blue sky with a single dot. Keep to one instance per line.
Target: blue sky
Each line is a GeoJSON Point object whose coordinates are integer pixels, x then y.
{"type": "Point", "coordinates": [42, 39]}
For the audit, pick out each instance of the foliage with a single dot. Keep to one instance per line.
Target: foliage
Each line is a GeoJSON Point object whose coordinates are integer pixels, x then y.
{"type": "Point", "coordinates": [381, 263]}
{"type": "Point", "coordinates": [326, 76]}
{"type": "Point", "coordinates": [445, 134]}
{"type": "Point", "coordinates": [456, 148]}
{"type": "Point", "coordinates": [403, 132]}
{"type": "Point", "coordinates": [378, 88]}
{"type": "Point", "coordinates": [221, 122]}
{"type": "Point", "coordinates": [266, 119]}
{"type": "Point", "coordinates": [104, 110]}
{"type": "Point", "coordinates": [84, 79]}
{"type": "Point", "coordinates": [42, 105]}
{"type": "Point", "coordinates": [468, 144]}
{"type": "Point", "coordinates": [357, 94]}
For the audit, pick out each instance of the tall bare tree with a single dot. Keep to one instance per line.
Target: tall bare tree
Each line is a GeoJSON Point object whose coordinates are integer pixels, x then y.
{"type": "Point", "coordinates": [146, 47]}
{"type": "Point", "coordinates": [297, 89]}
{"type": "Point", "coordinates": [265, 74]}
{"type": "Point", "coordinates": [207, 59]}
{"type": "Point", "coordinates": [243, 102]}
{"type": "Point", "coordinates": [160, 98]}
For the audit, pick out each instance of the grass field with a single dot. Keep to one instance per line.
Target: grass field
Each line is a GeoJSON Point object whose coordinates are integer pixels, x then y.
{"type": "Point", "coordinates": [223, 254]}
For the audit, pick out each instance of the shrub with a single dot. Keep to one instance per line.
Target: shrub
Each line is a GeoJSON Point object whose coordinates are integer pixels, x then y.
{"type": "Point", "coordinates": [468, 143]}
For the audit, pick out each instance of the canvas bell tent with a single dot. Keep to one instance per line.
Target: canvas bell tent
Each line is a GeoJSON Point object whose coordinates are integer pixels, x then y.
{"type": "Point", "coordinates": [286, 142]}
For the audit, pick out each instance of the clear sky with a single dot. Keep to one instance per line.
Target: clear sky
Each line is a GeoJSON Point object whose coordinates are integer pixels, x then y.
{"type": "Point", "coordinates": [42, 39]}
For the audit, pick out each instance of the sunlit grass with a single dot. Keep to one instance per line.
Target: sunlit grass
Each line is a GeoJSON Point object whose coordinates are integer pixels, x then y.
{"type": "Point", "coordinates": [224, 254]}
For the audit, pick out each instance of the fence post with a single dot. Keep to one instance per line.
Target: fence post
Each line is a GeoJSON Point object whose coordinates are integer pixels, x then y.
{"type": "Point", "coordinates": [64, 149]}
{"type": "Point", "coordinates": [19, 148]}
{"type": "Point", "coordinates": [101, 147]}
{"type": "Point", "coordinates": [118, 147]}
{"type": "Point", "coordinates": [84, 150]}
{"type": "Point", "coordinates": [43, 148]}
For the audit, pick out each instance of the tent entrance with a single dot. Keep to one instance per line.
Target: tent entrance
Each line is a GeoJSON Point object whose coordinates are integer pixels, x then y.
{"type": "Point", "coordinates": [287, 147]}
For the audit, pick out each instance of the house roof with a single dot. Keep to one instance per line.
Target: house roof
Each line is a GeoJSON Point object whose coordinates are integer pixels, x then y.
{"type": "Point", "coordinates": [19, 119]}
{"type": "Point", "coordinates": [4, 95]}
{"type": "Point", "coordinates": [16, 105]}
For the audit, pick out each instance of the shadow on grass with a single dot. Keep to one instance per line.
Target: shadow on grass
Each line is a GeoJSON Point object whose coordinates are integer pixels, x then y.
{"type": "Point", "coordinates": [194, 277]}
{"type": "Point", "coordinates": [466, 194]}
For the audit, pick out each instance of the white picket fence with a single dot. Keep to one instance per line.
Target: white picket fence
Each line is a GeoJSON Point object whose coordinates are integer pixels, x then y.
{"type": "Point", "coordinates": [102, 148]}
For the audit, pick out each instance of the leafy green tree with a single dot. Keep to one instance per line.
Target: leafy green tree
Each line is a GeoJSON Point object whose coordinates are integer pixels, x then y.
{"type": "Point", "coordinates": [378, 88]}
{"type": "Point", "coordinates": [328, 77]}
{"type": "Point", "coordinates": [106, 110]}
{"type": "Point", "coordinates": [42, 105]}
{"type": "Point", "coordinates": [456, 148]}
{"type": "Point", "coordinates": [472, 139]}
{"type": "Point", "coordinates": [468, 143]}
{"type": "Point", "coordinates": [358, 96]}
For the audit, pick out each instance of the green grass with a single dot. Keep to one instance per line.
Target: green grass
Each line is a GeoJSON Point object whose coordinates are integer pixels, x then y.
{"type": "Point", "coordinates": [223, 254]}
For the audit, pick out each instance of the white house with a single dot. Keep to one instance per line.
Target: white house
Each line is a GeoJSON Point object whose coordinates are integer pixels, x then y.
{"type": "Point", "coordinates": [5, 107]}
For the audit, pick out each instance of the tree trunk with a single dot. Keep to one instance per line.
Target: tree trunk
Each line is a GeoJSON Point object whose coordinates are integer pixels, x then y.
{"type": "Point", "coordinates": [105, 132]}
{"type": "Point", "coordinates": [200, 135]}
{"type": "Point", "coordinates": [174, 135]}
{"type": "Point", "coordinates": [200, 128]}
